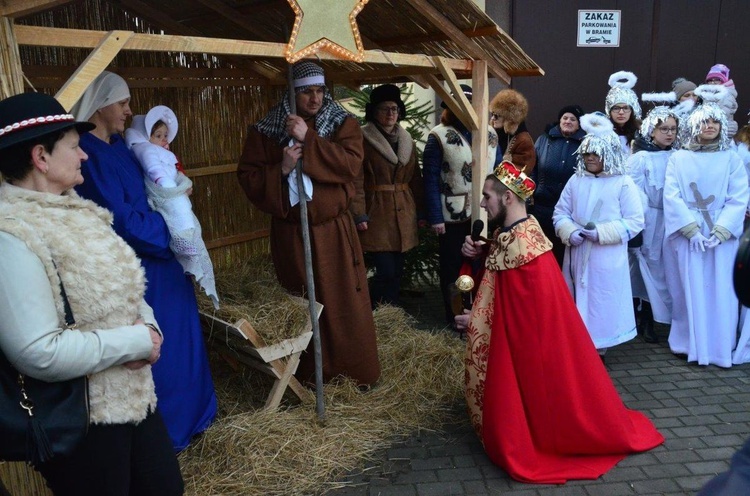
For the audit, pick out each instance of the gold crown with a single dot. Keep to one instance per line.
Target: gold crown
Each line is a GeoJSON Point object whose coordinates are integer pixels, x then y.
{"type": "Point", "coordinates": [515, 179]}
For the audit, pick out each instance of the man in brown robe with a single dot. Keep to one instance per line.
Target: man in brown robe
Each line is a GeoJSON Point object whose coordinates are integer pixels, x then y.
{"type": "Point", "coordinates": [329, 141]}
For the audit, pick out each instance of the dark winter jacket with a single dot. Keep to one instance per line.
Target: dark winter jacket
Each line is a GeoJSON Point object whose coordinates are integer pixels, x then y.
{"type": "Point", "coordinates": [556, 162]}
{"type": "Point", "coordinates": [521, 151]}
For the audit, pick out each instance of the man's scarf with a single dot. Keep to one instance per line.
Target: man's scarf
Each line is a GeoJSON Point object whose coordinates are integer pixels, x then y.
{"type": "Point", "coordinates": [327, 120]}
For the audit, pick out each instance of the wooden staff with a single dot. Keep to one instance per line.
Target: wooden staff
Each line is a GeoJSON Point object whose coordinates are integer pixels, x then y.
{"type": "Point", "coordinates": [310, 282]}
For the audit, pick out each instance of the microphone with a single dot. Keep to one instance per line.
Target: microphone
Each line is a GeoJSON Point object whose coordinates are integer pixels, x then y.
{"type": "Point", "coordinates": [476, 230]}
{"type": "Point", "coordinates": [590, 226]}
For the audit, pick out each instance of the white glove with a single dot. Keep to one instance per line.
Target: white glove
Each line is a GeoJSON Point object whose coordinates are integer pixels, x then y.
{"type": "Point", "coordinates": [576, 238]}
{"type": "Point", "coordinates": [698, 242]}
{"type": "Point", "coordinates": [712, 242]}
{"type": "Point", "coordinates": [591, 234]}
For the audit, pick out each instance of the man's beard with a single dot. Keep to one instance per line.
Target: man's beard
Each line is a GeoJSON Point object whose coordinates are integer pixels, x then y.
{"type": "Point", "coordinates": [498, 220]}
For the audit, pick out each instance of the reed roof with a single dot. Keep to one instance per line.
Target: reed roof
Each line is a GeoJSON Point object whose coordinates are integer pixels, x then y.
{"type": "Point", "coordinates": [456, 30]}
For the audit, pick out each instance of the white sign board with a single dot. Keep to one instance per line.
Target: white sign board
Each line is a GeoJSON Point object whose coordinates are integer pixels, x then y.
{"type": "Point", "coordinates": [599, 28]}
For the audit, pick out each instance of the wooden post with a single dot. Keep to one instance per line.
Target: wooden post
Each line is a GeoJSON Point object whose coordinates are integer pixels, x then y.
{"type": "Point", "coordinates": [480, 101]}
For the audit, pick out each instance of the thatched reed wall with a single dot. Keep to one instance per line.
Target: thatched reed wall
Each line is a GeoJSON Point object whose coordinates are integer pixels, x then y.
{"type": "Point", "coordinates": [213, 114]}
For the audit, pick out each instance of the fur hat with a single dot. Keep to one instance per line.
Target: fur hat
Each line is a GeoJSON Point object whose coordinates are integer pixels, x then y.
{"type": "Point", "coordinates": [680, 86]}
{"type": "Point", "coordinates": [384, 93]}
{"type": "Point", "coordinates": [28, 116]}
{"type": "Point", "coordinates": [719, 71]}
{"type": "Point", "coordinates": [510, 105]}
{"type": "Point", "coordinates": [621, 84]}
{"type": "Point", "coordinates": [601, 140]}
{"type": "Point", "coordinates": [571, 109]}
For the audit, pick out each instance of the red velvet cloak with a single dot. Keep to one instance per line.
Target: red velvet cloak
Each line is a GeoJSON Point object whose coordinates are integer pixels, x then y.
{"type": "Point", "coordinates": [537, 391]}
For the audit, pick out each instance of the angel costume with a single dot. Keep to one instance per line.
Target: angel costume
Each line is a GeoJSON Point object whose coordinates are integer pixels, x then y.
{"type": "Point", "coordinates": [597, 272]}
{"type": "Point", "coordinates": [705, 194]}
{"type": "Point", "coordinates": [167, 194]}
{"type": "Point", "coordinates": [647, 167]}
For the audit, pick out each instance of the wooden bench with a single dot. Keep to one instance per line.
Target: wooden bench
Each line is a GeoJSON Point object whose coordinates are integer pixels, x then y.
{"type": "Point", "coordinates": [239, 343]}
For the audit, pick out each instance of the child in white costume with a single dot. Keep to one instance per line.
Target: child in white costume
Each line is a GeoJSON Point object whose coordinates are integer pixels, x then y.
{"type": "Point", "coordinates": [705, 197]}
{"type": "Point", "coordinates": [652, 148]}
{"type": "Point", "coordinates": [149, 137]}
{"type": "Point", "coordinates": [598, 212]}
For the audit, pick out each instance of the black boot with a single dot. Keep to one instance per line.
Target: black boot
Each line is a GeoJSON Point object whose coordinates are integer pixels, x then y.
{"type": "Point", "coordinates": [647, 323]}
{"type": "Point", "coordinates": [638, 316]}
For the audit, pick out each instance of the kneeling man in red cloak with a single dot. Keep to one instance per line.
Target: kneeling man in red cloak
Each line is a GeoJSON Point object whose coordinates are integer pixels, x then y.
{"type": "Point", "coordinates": [538, 394]}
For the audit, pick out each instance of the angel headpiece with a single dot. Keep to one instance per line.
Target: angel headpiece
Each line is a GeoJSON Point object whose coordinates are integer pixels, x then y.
{"type": "Point", "coordinates": [601, 140]}
{"type": "Point", "coordinates": [710, 94]}
{"type": "Point", "coordinates": [658, 114]}
{"type": "Point", "coordinates": [622, 84]}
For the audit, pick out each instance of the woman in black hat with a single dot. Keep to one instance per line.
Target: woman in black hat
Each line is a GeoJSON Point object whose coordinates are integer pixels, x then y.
{"type": "Point", "coordinates": [556, 162]}
{"type": "Point", "coordinates": [389, 190]}
{"type": "Point", "coordinates": [51, 238]}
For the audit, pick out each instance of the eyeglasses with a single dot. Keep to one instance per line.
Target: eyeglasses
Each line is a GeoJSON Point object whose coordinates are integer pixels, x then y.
{"type": "Point", "coordinates": [388, 110]}
{"type": "Point", "coordinates": [494, 116]}
{"type": "Point", "coordinates": [620, 108]}
{"type": "Point", "coordinates": [667, 130]}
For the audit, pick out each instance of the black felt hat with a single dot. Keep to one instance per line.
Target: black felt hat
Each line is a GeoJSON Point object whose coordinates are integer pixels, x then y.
{"type": "Point", "coordinates": [384, 93]}
{"type": "Point", "coordinates": [30, 115]}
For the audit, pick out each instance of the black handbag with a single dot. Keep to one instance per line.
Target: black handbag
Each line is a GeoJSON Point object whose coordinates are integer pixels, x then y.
{"type": "Point", "coordinates": [38, 419]}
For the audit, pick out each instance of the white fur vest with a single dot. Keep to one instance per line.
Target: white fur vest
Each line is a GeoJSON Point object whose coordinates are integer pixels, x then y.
{"type": "Point", "coordinates": [103, 279]}
{"type": "Point", "coordinates": [455, 174]}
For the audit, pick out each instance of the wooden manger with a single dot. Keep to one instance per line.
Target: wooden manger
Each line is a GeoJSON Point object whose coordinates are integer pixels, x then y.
{"type": "Point", "coordinates": [239, 343]}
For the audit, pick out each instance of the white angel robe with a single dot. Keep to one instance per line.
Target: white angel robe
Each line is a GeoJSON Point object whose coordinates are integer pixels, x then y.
{"type": "Point", "coordinates": [598, 274]}
{"type": "Point", "coordinates": [705, 309]}
{"type": "Point", "coordinates": [648, 170]}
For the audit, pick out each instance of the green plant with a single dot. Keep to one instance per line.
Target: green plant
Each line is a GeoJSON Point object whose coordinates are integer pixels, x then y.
{"type": "Point", "coordinates": [421, 264]}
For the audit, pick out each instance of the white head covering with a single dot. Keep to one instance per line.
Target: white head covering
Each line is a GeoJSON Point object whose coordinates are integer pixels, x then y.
{"type": "Point", "coordinates": [711, 94]}
{"type": "Point", "coordinates": [621, 84]}
{"type": "Point", "coordinates": [167, 116]}
{"type": "Point", "coordinates": [106, 89]}
{"type": "Point", "coordinates": [601, 140]}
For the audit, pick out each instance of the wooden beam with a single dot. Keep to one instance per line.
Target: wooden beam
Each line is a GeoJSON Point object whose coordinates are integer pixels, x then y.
{"type": "Point", "coordinates": [211, 170]}
{"type": "Point", "coordinates": [479, 139]}
{"type": "Point", "coordinates": [79, 38]}
{"type": "Point", "coordinates": [237, 238]}
{"type": "Point", "coordinates": [64, 71]}
{"type": "Point", "coordinates": [21, 8]}
{"type": "Point", "coordinates": [458, 93]}
{"type": "Point", "coordinates": [493, 30]}
{"type": "Point", "coordinates": [155, 16]}
{"type": "Point", "coordinates": [95, 63]}
{"type": "Point", "coordinates": [445, 25]}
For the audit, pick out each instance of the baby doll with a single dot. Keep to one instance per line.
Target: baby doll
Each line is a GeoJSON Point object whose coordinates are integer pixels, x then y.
{"type": "Point", "coordinates": [167, 187]}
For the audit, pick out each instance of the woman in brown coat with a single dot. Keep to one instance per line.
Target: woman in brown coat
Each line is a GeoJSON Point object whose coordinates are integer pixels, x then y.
{"type": "Point", "coordinates": [388, 189]}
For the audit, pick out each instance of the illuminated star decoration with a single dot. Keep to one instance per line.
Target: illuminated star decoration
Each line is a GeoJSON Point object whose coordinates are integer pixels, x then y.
{"type": "Point", "coordinates": [325, 25]}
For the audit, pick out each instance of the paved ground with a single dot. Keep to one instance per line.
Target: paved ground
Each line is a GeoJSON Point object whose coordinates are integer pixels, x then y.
{"type": "Point", "coordinates": [703, 412]}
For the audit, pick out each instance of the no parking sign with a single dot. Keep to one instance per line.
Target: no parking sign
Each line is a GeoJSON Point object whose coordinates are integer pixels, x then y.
{"type": "Point", "coordinates": [599, 28]}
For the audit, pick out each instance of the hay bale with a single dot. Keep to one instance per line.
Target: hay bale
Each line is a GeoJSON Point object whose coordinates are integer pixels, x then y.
{"type": "Point", "coordinates": [251, 452]}
{"type": "Point", "coordinates": [250, 291]}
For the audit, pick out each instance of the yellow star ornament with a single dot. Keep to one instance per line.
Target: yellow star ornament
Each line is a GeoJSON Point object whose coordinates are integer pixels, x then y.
{"type": "Point", "coordinates": [325, 25]}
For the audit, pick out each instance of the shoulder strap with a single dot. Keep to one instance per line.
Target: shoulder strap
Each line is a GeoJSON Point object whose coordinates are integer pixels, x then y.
{"type": "Point", "coordinates": [70, 322]}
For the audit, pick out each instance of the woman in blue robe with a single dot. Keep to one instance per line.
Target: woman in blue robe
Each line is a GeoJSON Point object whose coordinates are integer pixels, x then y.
{"type": "Point", "coordinates": [114, 179]}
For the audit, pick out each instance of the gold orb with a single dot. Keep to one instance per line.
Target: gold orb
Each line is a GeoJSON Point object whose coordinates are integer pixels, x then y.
{"type": "Point", "coordinates": [465, 283]}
